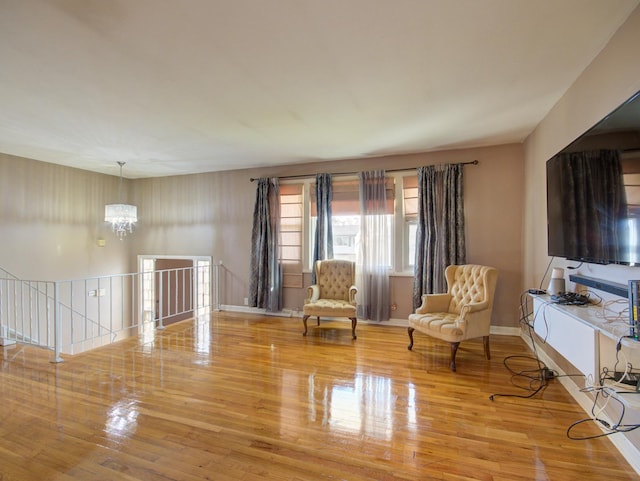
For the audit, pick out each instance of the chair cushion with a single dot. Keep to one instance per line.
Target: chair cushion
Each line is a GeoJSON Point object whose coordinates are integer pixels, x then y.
{"type": "Point", "coordinates": [442, 325]}
{"type": "Point", "coordinates": [329, 308]}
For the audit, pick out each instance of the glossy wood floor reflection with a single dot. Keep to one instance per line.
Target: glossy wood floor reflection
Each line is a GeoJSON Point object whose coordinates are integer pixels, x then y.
{"type": "Point", "coordinates": [247, 398]}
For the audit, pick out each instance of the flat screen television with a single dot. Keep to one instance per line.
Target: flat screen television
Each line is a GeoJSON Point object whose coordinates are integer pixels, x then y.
{"type": "Point", "coordinates": [593, 192]}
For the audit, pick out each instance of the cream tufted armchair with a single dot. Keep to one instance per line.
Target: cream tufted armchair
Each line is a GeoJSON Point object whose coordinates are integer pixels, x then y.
{"type": "Point", "coordinates": [334, 294]}
{"type": "Point", "coordinates": [464, 312]}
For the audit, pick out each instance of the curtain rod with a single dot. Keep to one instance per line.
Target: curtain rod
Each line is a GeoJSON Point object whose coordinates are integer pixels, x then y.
{"type": "Point", "coordinates": [308, 176]}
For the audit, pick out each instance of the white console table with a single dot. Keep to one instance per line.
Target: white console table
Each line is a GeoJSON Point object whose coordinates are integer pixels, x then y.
{"type": "Point", "coordinates": [585, 338]}
{"type": "Point", "coordinates": [569, 334]}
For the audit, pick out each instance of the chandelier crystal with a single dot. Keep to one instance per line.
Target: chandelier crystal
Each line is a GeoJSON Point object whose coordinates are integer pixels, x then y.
{"type": "Point", "coordinates": [122, 217]}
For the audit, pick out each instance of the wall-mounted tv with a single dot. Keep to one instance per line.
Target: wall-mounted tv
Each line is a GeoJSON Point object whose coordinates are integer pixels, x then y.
{"type": "Point", "coordinates": [593, 192]}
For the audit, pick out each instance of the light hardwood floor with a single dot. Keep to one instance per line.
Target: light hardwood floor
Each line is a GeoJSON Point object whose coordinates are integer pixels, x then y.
{"type": "Point", "coordinates": [238, 397]}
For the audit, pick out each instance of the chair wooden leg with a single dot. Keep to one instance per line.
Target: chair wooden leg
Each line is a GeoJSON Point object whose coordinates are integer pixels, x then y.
{"type": "Point", "coordinates": [354, 322]}
{"type": "Point", "coordinates": [454, 350]}
{"type": "Point", "coordinates": [304, 321]}
{"type": "Point", "coordinates": [410, 331]}
{"type": "Point", "coordinates": [487, 351]}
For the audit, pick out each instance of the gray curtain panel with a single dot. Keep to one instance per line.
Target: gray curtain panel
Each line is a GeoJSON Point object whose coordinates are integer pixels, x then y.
{"type": "Point", "coordinates": [323, 243]}
{"type": "Point", "coordinates": [440, 239]}
{"type": "Point", "coordinates": [374, 256]}
{"type": "Point", "coordinates": [594, 203]}
{"type": "Point", "coordinates": [265, 288]}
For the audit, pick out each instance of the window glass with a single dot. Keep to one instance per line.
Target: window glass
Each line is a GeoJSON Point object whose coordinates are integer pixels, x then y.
{"type": "Point", "coordinates": [345, 217]}
{"type": "Point", "coordinates": [346, 236]}
{"type": "Point", "coordinates": [410, 214]}
{"type": "Point", "coordinates": [291, 234]}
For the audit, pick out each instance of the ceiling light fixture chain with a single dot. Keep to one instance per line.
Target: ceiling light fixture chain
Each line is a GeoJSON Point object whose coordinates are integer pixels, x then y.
{"type": "Point", "coordinates": [122, 217]}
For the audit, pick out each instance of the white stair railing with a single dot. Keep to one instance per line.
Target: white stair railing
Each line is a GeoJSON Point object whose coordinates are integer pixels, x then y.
{"type": "Point", "coordinates": [69, 317]}
{"type": "Point", "coordinates": [23, 305]}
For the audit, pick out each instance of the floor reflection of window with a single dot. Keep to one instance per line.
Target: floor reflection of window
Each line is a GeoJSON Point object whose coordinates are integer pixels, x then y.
{"type": "Point", "coordinates": [346, 408]}
{"type": "Point", "coordinates": [311, 397]}
{"type": "Point", "coordinates": [365, 407]}
{"type": "Point", "coordinates": [122, 419]}
{"type": "Point", "coordinates": [202, 331]}
{"type": "Point", "coordinates": [412, 417]}
{"type": "Point", "coordinates": [148, 328]}
{"type": "Point", "coordinates": [379, 405]}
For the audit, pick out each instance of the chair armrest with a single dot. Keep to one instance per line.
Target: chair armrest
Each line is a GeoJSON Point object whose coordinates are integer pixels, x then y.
{"type": "Point", "coordinates": [474, 307]}
{"type": "Point", "coordinates": [473, 317]}
{"type": "Point", "coordinates": [434, 303]}
{"type": "Point", "coordinates": [353, 290]}
{"type": "Point", "coordinates": [313, 293]}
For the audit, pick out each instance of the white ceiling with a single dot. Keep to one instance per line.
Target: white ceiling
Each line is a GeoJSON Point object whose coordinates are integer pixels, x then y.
{"type": "Point", "coordinates": [186, 86]}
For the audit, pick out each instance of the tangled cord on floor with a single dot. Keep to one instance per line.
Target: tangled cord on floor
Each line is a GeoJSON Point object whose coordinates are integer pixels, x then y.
{"type": "Point", "coordinates": [537, 378]}
{"type": "Point", "coordinates": [534, 380]}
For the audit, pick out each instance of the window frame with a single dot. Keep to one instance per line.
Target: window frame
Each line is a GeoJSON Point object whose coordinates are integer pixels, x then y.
{"type": "Point", "coordinates": [401, 264]}
{"type": "Point", "coordinates": [292, 267]}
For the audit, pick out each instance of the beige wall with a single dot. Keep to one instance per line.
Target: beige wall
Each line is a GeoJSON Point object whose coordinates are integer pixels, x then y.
{"type": "Point", "coordinates": [211, 215]}
{"type": "Point", "coordinates": [51, 218]}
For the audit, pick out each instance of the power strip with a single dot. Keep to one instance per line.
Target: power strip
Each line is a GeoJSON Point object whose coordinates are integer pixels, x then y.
{"type": "Point", "coordinates": [631, 378]}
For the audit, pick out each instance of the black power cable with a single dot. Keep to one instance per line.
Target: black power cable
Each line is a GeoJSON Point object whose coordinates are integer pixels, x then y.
{"type": "Point", "coordinates": [617, 427]}
{"type": "Point", "coordinates": [537, 377]}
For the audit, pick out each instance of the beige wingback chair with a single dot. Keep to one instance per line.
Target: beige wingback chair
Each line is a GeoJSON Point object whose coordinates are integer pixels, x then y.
{"type": "Point", "coordinates": [464, 312]}
{"type": "Point", "coordinates": [334, 294]}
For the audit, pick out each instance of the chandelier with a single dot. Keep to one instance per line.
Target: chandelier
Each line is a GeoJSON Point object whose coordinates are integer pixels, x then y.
{"type": "Point", "coordinates": [121, 216]}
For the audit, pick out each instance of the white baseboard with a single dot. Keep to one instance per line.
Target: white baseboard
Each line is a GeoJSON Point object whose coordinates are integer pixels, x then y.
{"type": "Point", "coordinates": [505, 331]}
{"type": "Point", "coordinates": [255, 310]}
{"type": "Point", "coordinates": [394, 322]}
{"type": "Point", "coordinates": [298, 314]}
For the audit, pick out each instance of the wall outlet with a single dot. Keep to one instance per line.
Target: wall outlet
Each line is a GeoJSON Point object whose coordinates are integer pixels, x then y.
{"type": "Point", "coordinates": [246, 301]}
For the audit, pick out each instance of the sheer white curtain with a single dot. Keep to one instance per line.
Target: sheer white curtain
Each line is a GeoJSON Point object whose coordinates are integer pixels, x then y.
{"type": "Point", "coordinates": [374, 261]}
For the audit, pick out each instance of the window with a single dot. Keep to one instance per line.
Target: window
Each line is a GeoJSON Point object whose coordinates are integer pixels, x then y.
{"type": "Point", "coordinates": [410, 214]}
{"type": "Point", "coordinates": [298, 223]}
{"type": "Point", "coordinates": [345, 217]}
{"type": "Point", "coordinates": [291, 234]}
{"type": "Point", "coordinates": [346, 236]}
